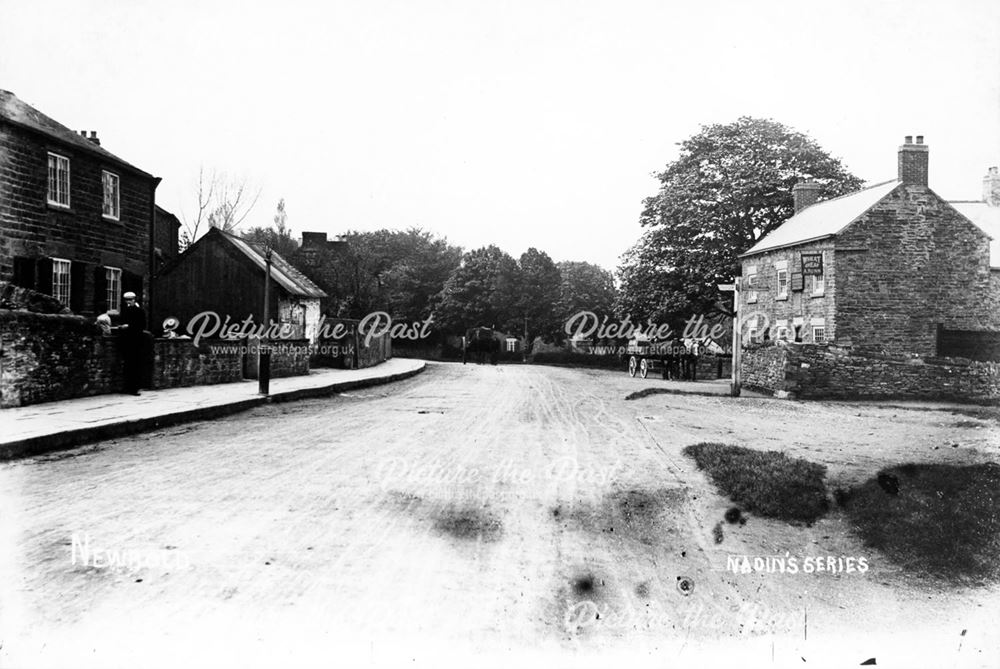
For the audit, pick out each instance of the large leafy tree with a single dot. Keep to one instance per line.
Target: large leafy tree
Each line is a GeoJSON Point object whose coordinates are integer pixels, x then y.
{"type": "Point", "coordinates": [483, 291]}
{"type": "Point", "coordinates": [395, 271]}
{"type": "Point", "coordinates": [731, 185]}
{"type": "Point", "coordinates": [585, 287]}
{"type": "Point", "coordinates": [539, 285]}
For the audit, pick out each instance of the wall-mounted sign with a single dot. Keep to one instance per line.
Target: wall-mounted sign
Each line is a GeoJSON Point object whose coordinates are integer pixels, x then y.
{"type": "Point", "coordinates": [798, 282]}
{"type": "Point", "coordinates": [812, 264]}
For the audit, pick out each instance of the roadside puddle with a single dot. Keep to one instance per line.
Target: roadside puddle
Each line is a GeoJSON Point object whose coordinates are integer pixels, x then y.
{"type": "Point", "coordinates": [460, 522]}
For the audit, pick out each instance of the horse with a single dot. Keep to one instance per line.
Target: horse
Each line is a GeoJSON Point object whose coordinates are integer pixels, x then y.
{"type": "Point", "coordinates": [480, 344]}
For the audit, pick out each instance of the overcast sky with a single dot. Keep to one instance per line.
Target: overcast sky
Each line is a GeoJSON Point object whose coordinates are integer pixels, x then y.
{"type": "Point", "coordinates": [534, 123]}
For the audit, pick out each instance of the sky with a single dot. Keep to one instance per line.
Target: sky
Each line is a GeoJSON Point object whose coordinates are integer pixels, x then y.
{"type": "Point", "coordinates": [535, 123]}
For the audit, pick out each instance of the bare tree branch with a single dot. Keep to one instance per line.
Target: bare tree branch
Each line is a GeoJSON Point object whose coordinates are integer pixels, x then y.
{"type": "Point", "coordinates": [222, 202]}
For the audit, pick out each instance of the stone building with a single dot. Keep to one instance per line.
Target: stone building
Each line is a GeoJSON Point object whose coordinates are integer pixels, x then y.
{"type": "Point", "coordinates": [889, 267]}
{"type": "Point", "coordinates": [75, 220]}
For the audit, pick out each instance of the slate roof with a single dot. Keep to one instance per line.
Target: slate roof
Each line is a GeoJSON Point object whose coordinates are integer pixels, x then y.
{"type": "Point", "coordinates": [823, 219]}
{"type": "Point", "coordinates": [988, 219]}
{"type": "Point", "coordinates": [18, 112]}
{"type": "Point", "coordinates": [289, 278]}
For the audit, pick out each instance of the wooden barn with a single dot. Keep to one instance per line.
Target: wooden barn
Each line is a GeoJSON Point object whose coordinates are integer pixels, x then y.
{"type": "Point", "coordinates": [224, 274]}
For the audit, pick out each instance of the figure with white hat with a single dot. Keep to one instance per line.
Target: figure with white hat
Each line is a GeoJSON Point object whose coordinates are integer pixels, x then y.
{"type": "Point", "coordinates": [131, 330]}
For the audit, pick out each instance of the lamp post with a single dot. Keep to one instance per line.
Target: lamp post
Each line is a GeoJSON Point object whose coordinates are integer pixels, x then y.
{"type": "Point", "coordinates": [263, 350]}
{"type": "Point", "coordinates": [736, 382]}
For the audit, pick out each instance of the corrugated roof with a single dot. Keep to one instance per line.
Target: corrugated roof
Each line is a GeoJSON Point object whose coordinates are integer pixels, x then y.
{"type": "Point", "coordinates": [21, 113]}
{"type": "Point", "coordinates": [988, 220]}
{"type": "Point", "coordinates": [289, 278]}
{"type": "Point", "coordinates": [823, 219]}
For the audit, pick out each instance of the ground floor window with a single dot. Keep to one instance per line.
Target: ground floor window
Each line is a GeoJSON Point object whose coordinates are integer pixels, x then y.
{"type": "Point", "coordinates": [60, 280]}
{"type": "Point", "coordinates": [819, 334]}
{"type": "Point", "coordinates": [113, 278]}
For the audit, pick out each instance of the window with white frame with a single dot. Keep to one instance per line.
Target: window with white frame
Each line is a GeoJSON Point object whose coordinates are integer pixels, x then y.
{"type": "Point", "coordinates": [818, 285]}
{"type": "Point", "coordinates": [60, 280]}
{"type": "Point", "coordinates": [782, 284]}
{"type": "Point", "coordinates": [752, 335]}
{"type": "Point", "coordinates": [751, 293]}
{"type": "Point", "coordinates": [113, 281]}
{"type": "Point", "coordinates": [511, 345]}
{"type": "Point", "coordinates": [819, 334]}
{"type": "Point", "coordinates": [58, 180]}
{"type": "Point", "coordinates": [111, 196]}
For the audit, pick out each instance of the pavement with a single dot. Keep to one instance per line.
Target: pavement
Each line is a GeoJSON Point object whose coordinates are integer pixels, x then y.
{"type": "Point", "coordinates": [40, 428]}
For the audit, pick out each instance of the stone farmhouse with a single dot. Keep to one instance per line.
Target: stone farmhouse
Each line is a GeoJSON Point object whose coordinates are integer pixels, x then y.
{"type": "Point", "coordinates": [893, 267]}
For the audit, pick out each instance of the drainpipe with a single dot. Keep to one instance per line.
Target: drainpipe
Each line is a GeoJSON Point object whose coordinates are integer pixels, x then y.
{"type": "Point", "coordinates": [263, 348]}
{"type": "Point", "coordinates": [151, 256]}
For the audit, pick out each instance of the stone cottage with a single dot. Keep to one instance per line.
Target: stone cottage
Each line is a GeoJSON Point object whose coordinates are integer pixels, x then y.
{"type": "Point", "coordinates": [889, 267]}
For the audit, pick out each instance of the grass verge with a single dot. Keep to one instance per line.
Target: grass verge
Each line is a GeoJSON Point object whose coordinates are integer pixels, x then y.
{"type": "Point", "coordinates": [766, 482]}
{"type": "Point", "coordinates": [933, 519]}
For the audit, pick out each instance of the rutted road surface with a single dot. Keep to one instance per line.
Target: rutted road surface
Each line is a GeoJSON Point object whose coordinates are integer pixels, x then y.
{"type": "Point", "coordinates": [517, 511]}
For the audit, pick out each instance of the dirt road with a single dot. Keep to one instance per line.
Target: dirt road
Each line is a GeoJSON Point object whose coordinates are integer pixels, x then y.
{"type": "Point", "coordinates": [530, 513]}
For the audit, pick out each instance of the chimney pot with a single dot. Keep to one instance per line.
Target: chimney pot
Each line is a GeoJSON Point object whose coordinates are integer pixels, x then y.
{"type": "Point", "coordinates": [920, 139]}
{"type": "Point", "coordinates": [909, 139]}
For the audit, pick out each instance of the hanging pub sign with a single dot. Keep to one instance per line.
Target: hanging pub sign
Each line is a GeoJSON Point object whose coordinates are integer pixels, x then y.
{"type": "Point", "coordinates": [812, 264]}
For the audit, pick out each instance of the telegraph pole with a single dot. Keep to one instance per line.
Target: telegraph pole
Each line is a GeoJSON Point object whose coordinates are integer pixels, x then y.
{"type": "Point", "coordinates": [263, 350]}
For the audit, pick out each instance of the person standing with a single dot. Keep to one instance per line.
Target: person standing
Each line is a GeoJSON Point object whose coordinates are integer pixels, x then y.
{"type": "Point", "coordinates": [131, 331]}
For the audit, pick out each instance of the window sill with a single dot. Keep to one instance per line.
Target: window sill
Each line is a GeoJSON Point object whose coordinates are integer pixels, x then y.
{"type": "Point", "coordinates": [817, 295]}
{"type": "Point", "coordinates": [781, 298]}
{"type": "Point", "coordinates": [59, 207]}
{"type": "Point", "coordinates": [109, 219]}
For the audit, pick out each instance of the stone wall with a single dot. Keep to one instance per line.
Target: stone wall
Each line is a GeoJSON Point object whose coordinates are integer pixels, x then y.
{"type": "Point", "coordinates": [289, 357]}
{"type": "Point", "coordinates": [818, 371]}
{"type": "Point", "coordinates": [50, 357]}
{"type": "Point", "coordinates": [178, 363]}
{"type": "Point", "coordinates": [46, 357]}
{"type": "Point", "coordinates": [763, 367]}
{"type": "Point", "coordinates": [379, 349]}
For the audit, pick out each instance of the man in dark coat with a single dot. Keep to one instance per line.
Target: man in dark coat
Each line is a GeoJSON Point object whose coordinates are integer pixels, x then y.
{"type": "Point", "coordinates": [131, 331]}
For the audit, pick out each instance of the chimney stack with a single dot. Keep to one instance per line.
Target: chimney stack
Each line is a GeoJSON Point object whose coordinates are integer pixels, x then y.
{"type": "Point", "coordinates": [804, 194]}
{"type": "Point", "coordinates": [913, 162]}
{"type": "Point", "coordinates": [312, 240]}
{"type": "Point", "coordinates": [93, 137]}
{"type": "Point", "coordinates": [991, 187]}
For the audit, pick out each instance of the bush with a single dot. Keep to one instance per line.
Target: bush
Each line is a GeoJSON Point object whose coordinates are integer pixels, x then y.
{"type": "Point", "coordinates": [937, 520]}
{"type": "Point", "coordinates": [613, 361]}
{"type": "Point", "coordinates": [766, 482]}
